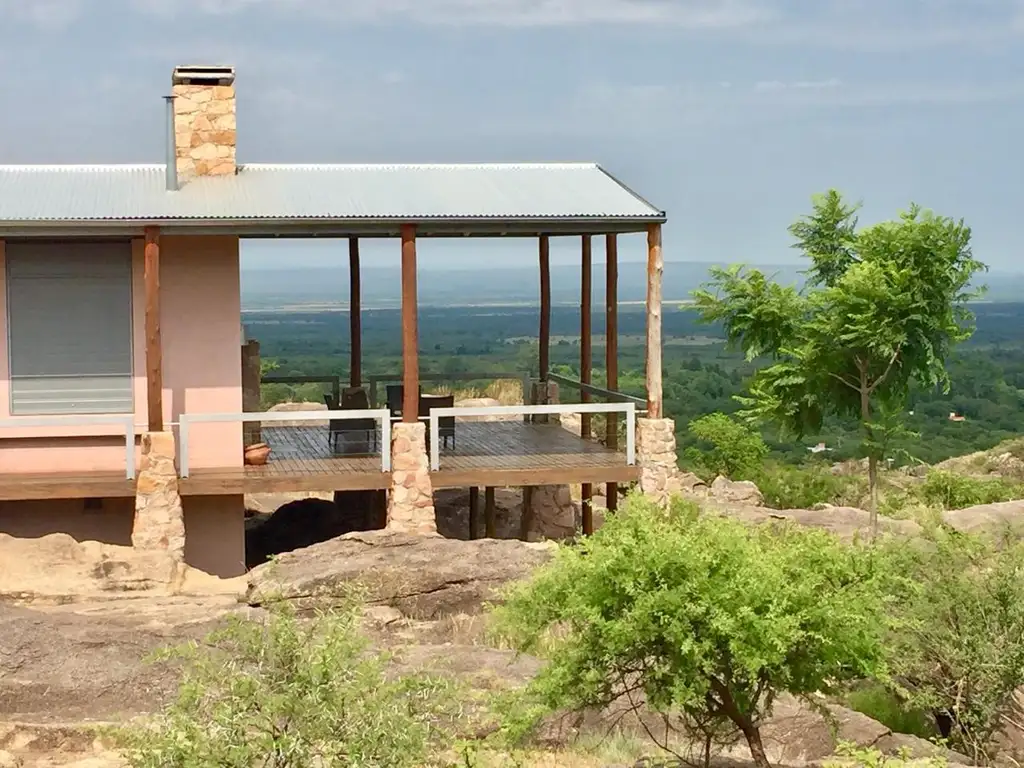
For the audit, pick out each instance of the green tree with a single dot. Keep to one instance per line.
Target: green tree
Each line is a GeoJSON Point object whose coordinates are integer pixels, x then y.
{"type": "Point", "coordinates": [882, 308]}
{"type": "Point", "coordinates": [736, 450]}
{"type": "Point", "coordinates": [698, 615]}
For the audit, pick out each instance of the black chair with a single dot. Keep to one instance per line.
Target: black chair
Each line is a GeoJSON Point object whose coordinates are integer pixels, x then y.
{"type": "Point", "coordinates": [363, 430]}
{"type": "Point", "coordinates": [395, 395]}
{"type": "Point", "coordinates": [445, 424]}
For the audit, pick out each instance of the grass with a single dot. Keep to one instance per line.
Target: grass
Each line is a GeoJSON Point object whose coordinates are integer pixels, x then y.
{"type": "Point", "coordinates": [876, 702]}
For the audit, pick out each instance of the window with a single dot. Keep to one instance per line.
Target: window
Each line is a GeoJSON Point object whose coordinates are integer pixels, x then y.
{"type": "Point", "coordinates": [69, 326]}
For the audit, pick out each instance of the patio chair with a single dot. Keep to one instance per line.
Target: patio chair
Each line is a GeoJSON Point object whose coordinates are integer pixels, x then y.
{"type": "Point", "coordinates": [445, 424]}
{"type": "Point", "coordinates": [395, 395]}
{"type": "Point", "coordinates": [364, 430]}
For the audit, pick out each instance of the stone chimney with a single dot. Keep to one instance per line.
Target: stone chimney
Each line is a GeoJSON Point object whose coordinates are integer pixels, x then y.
{"type": "Point", "coordinates": [204, 121]}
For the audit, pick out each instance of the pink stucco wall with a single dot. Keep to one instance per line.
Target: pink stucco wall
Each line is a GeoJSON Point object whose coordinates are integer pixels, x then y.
{"type": "Point", "coordinates": [200, 325]}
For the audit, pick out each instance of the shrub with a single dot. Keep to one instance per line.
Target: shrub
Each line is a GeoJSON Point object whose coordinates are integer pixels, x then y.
{"type": "Point", "coordinates": [789, 487]}
{"type": "Point", "coordinates": [957, 648]}
{"type": "Point", "coordinates": [948, 490]}
{"type": "Point", "coordinates": [729, 448]}
{"type": "Point", "coordinates": [879, 703]}
{"type": "Point", "coordinates": [291, 694]}
{"type": "Point", "coordinates": [706, 618]}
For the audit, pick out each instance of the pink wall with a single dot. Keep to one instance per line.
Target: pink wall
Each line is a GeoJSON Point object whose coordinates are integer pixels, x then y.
{"type": "Point", "coordinates": [200, 323]}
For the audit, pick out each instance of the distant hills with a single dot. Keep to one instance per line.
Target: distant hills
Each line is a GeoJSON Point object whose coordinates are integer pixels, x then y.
{"type": "Point", "coordinates": [327, 288]}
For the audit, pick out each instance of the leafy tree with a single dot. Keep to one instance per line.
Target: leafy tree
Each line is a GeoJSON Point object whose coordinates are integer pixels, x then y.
{"type": "Point", "coordinates": [736, 450]}
{"type": "Point", "coordinates": [698, 615]}
{"type": "Point", "coordinates": [882, 308]}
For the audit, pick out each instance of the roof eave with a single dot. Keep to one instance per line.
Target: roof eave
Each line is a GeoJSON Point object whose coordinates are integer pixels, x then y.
{"type": "Point", "coordinates": [348, 227]}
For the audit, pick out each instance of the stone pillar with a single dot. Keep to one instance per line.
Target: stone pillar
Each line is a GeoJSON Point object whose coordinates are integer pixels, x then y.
{"type": "Point", "coordinates": [159, 520]}
{"type": "Point", "coordinates": [554, 514]}
{"type": "Point", "coordinates": [656, 455]}
{"type": "Point", "coordinates": [411, 503]}
{"type": "Point", "coordinates": [544, 393]}
{"type": "Point", "coordinates": [251, 390]}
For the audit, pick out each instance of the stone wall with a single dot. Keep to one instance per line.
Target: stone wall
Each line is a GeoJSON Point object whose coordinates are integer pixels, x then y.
{"type": "Point", "coordinates": [554, 515]}
{"type": "Point", "coordinates": [656, 454]}
{"type": "Point", "coordinates": [411, 502]}
{"type": "Point", "coordinates": [159, 520]}
{"type": "Point", "coordinates": [205, 130]}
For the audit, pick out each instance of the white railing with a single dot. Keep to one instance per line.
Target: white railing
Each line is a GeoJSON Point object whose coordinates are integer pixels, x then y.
{"type": "Point", "coordinates": [381, 415]}
{"type": "Point", "coordinates": [128, 422]}
{"type": "Point", "coordinates": [534, 410]}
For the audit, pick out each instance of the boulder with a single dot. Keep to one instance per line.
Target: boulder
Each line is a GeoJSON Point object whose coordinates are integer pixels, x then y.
{"type": "Point", "coordinates": [293, 407]}
{"type": "Point", "coordinates": [297, 524]}
{"type": "Point", "coordinates": [736, 492]}
{"type": "Point", "coordinates": [451, 509]}
{"type": "Point", "coordinates": [988, 518]}
{"type": "Point", "coordinates": [847, 523]}
{"type": "Point", "coordinates": [425, 577]}
{"type": "Point", "coordinates": [482, 402]}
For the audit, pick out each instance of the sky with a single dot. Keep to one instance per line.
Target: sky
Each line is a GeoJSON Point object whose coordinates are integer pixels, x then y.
{"type": "Point", "coordinates": [728, 114]}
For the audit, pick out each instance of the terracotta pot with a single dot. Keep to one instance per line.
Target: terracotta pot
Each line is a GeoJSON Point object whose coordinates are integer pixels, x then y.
{"type": "Point", "coordinates": [257, 454]}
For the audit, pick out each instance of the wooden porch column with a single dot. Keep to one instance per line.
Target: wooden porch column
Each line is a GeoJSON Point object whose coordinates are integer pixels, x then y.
{"type": "Point", "coordinates": [655, 268]}
{"type": "Point", "coordinates": [355, 318]}
{"type": "Point", "coordinates": [154, 349]}
{"type": "Point", "coordinates": [545, 308]}
{"type": "Point", "coordinates": [586, 363]}
{"type": "Point", "coordinates": [410, 328]}
{"type": "Point", "coordinates": [611, 353]}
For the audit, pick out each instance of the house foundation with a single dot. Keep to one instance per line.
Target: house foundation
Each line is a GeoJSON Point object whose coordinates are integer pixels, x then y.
{"type": "Point", "coordinates": [159, 518]}
{"type": "Point", "coordinates": [656, 454]}
{"type": "Point", "coordinates": [411, 501]}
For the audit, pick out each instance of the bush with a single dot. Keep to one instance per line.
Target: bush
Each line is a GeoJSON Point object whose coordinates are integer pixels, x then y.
{"type": "Point", "coordinates": [789, 487]}
{"type": "Point", "coordinates": [725, 447]}
{"type": "Point", "coordinates": [957, 648]}
{"type": "Point", "coordinates": [947, 490]}
{"type": "Point", "coordinates": [879, 703]}
{"type": "Point", "coordinates": [708, 619]}
{"type": "Point", "coordinates": [291, 694]}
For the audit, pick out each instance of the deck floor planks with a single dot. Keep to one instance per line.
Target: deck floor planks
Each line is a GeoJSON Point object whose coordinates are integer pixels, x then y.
{"type": "Point", "coordinates": [491, 453]}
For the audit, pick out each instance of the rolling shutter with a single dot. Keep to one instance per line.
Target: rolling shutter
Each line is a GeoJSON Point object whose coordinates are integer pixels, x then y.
{"type": "Point", "coordinates": [69, 321]}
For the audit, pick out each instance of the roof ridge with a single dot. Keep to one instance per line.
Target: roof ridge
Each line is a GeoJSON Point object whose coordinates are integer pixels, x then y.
{"type": "Point", "coordinates": [409, 166]}
{"type": "Point", "coordinates": [64, 167]}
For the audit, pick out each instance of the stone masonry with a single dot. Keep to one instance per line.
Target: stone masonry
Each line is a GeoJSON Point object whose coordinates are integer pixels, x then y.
{"type": "Point", "coordinates": [159, 519]}
{"type": "Point", "coordinates": [554, 514]}
{"type": "Point", "coordinates": [411, 502]}
{"type": "Point", "coordinates": [204, 130]}
{"type": "Point", "coordinates": [656, 454]}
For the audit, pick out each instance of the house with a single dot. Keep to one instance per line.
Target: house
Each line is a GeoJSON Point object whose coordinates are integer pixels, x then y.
{"type": "Point", "coordinates": [123, 415]}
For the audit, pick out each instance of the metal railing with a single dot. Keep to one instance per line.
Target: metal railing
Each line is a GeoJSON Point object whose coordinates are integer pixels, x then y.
{"type": "Point", "coordinates": [534, 410]}
{"type": "Point", "coordinates": [375, 380]}
{"type": "Point", "coordinates": [128, 422]}
{"type": "Point", "coordinates": [381, 415]}
{"type": "Point", "coordinates": [334, 381]}
{"type": "Point", "coordinates": [608, 394]}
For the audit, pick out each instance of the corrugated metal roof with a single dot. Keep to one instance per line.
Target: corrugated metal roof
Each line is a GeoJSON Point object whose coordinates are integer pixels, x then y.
{"type": "Point", "coordinates": [298, 193]}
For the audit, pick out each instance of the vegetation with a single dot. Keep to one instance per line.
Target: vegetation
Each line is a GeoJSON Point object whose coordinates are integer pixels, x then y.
{"type": "Point", "coordinates": [292, 694]}
{"type": "Point", "coordinates": [699, 616]}
{"type": "Point", "coordinates": [882, 309]}
{"type": "Point", "coordinates": [957, 645]}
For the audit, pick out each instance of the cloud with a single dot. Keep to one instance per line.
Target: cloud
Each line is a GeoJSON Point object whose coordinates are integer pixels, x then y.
{"type": "Point", "coordinates": [41, 13]}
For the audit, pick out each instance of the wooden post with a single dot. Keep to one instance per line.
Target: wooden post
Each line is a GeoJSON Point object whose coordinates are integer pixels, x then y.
{"type": "Point", "coordinates": [611, 353]}
{"type": "Point", "coordinates": [526, 518]}
{"type": "Point", "coordinates": [410, 331]}
{"type": "Point", "coordinates": [490, 526]}
{"type": "Point", "coordinates": [655, 268]}
{"type": "Point", "coordinates": [474, 506]}
{"type": "Point", "coordinates": [355, 312]}
{"type": "Point", "coordinates": [154, 348]}
{"type": "Point", "coordinates": [586, 364]}
{"type": "Point", "coordinates": [545, 308]}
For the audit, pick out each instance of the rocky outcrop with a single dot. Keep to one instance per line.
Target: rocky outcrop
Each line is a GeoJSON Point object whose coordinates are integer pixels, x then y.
{"type": "Point", "coordinates": [423, 577]}
{"type": "Point", "coordinates": [995, 518]}
{"type": "Point", "coordinates": [736, 492]}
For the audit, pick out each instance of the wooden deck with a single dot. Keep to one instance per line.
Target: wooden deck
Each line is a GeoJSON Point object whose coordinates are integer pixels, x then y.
{"type": "Point", "coordinates": [506, 453]}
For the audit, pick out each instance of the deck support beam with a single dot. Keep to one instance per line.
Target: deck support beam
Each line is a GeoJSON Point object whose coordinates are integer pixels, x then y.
{"type": "Point", "coordinates": [586, 365]}
{"type": "Point", "coordinates": [355, 315]}
{"type": "Point", "coordinates": [655, 268]}
{"type": "Point", "coordinates": [611, 354]}
{"type": "Point", "coordinates": [154, 348]}
{"type": "Point", "coordinates": [410, 328]}
{"type": "Point", "coordinates": [544, 337]}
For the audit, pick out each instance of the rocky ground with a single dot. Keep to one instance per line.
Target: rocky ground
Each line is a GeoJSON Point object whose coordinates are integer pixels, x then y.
{"type": "Point", "coordinates": [78, 620]}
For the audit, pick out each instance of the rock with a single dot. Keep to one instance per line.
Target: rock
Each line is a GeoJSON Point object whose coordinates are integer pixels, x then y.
{"type": "Point", "coordinates": [292, 407]}
{"type": "Point", "coordinates": [847, 523]}
{"type": "Point", "coordinates": [269, 503]}
{"type": "Point", "coordinates": [482, 402]}
{"type": "Point", "coordinates": [423, 577]}
{"type": "Point", "coordinates": [451, 509]}
{"type": "Point", "coordinates": [995, 518]}
{"type": "Point", "coordinates": [736, 492]}
{"type": "Point", "coordinates": [297, 524]}
{"type": "Point", "coordinates": [7, 760]}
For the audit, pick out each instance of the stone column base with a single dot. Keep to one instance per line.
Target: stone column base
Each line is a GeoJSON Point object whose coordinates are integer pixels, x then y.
{"type": "Point", "coordinates": [411, 502]}
{"type": "Point", "coordinates": [656, 455]}
{"type": "Point", "coordinates": [554, 515]}
{"type": "Point", "coordinates": [159, 519]}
